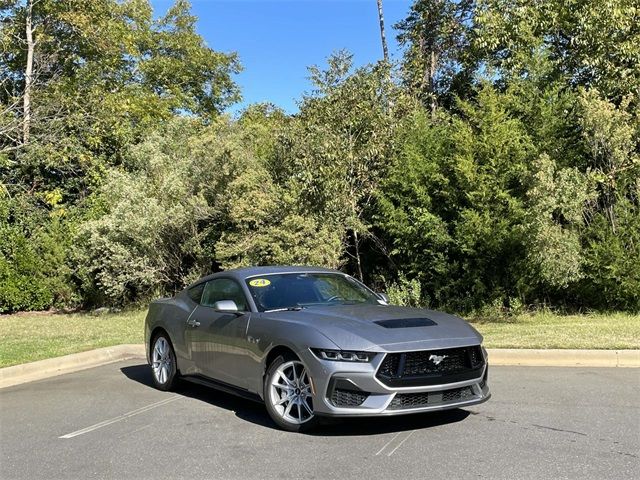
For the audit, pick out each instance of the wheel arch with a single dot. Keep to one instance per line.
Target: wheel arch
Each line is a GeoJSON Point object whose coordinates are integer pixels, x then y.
{"type": "Point", "coordinates": [157, 331]}
{"type": "Point", "coordinates": [274, 353]}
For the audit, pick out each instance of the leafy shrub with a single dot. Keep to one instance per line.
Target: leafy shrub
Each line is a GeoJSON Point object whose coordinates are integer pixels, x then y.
{"type": "Point", "coordinates": [33, 252]}
{"type": "Point", "coordinates": [405, 292]}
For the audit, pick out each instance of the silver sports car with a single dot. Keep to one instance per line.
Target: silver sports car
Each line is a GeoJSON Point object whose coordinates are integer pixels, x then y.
{"type": "Point", "coordinates": [313, 342]}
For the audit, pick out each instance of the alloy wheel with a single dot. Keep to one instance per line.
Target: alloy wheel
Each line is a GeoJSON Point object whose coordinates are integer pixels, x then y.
{"type": "Point", "coordinates": [162, 363]}
{"type": "Point", "coordinates": [290, 393]}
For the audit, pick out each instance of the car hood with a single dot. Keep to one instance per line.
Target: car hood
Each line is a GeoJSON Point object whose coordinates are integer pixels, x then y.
{"type": "Point", "coordinates": [354, 327]}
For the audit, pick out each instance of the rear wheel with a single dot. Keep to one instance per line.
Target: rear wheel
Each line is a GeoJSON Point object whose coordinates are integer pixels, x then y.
{"type": "Point", "coordinates": [287, 394]}
{"type": "Point", "coordinates": [163, 363]}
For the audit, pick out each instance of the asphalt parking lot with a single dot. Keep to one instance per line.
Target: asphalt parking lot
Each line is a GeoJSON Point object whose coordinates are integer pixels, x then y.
{"type": "Point", "coordinates": [108, 422]}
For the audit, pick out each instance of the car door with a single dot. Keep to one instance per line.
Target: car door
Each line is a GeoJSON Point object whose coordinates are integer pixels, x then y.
{"type": "Point", "coordinates": [218, 338]}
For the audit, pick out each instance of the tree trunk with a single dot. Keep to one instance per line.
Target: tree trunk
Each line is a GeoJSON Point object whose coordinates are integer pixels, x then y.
{"type": "Point", "coordinates": [385, 50]}
{"type": "Point", "coordinates": [28, 75]}
{"type": "Point", "coordinates": [356, 242]}
{"type": "Point", "coordinates": [432, 85]}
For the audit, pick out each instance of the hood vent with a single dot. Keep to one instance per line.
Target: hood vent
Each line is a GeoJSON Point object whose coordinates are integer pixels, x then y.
{"type": "Point", "coordinates": [406, 323]}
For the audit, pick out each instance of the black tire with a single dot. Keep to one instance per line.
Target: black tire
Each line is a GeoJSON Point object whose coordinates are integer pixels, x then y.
{"type": "Point", "coordinates": [167, 378]}
{"type": "Point", "coordinates": [273, 413]}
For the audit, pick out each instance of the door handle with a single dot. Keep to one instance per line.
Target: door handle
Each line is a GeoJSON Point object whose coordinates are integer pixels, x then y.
{"type": "Point", "coordinates": [193, 323]}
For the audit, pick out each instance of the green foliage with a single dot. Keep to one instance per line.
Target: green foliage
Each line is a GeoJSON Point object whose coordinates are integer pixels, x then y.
{"type": "Point", "coordinates": [405, 292]}
{"type": "Point", "coordinates": [593, 43]}
{"type": "Point", "coordinates": [192, 197]}
{"type": "Point", "coordinates": [611, 260]}
{"type": "Point", "coordinates": [32, 271]}
{"type": "Point", "coordinates": [612, 251]}
{"type": "Point", "coordinates": [105, 73]}
{"type": "Point", "coordinates": [459, 232]}
{"type": "Point", "coordinates": [555, 202]}
{"type": "Point", "coordinates": [497, 170]}
{"type": "Point", "coordinates": [436, 36]}
{"type": "Point", "coordinates": [336, 150]}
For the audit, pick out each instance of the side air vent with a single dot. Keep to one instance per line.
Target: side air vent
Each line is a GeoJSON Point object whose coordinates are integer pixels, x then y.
{"type": "Point", "coordinates": [348, 398]}
{"type": "Point", "coordinates": [344, 393]}
{"type": "Point", "coordinates": [406, 323]}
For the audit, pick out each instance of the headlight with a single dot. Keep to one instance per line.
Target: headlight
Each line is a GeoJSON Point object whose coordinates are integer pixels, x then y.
{"type": "Point", "coordinates": [342, 356]}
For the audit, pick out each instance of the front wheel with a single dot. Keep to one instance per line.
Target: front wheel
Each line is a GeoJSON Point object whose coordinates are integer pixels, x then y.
{"type": "Point", "coordinates": [163, 363]}
{"type": "Point", "coordinates": [287, 394]}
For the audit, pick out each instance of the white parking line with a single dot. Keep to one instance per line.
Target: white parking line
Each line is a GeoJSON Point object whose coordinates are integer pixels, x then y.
{"type": "Point", "coordinates": [400, 444]}
{"type": "Point", "coordinates": [121, 417]}
{"type": "Point", "coordinates": [388, 443]}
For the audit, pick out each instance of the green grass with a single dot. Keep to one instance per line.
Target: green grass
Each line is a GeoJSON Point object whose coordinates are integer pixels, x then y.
{"type": "Point", "coordinates": [548, 330]}
{"type": "Point", "coordinates": [27, 337]}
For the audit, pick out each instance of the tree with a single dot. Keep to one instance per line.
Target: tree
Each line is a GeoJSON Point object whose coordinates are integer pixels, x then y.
{"type": "Point", "coordinates": [452, 205]}
{"type": "Point", "coordinates": [339, 144]}
{"type": "Point", "coordinates": [28, 72]}
{"type": "Point", "coordinates": [82, 82]}
{"type": "Point", "coordinates": [592, 43]}
{"type": "Point", "coordinates": [435, 35]}
{"type": "Point", "coordinates": [95, 76]}
{"type": "Point", "coordinates": [195, 199]}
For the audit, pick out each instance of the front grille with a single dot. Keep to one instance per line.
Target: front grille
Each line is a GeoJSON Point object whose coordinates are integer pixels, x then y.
{"type": "Point", "coordinates": [425, 399]}
{"type": "Point", "coordinates": [420, 368]}
{"type": "Point", "coordinates": [418, 363]}
{"type": "Point", "coordinates": [348, 398]}
{"type": "Point", "coordinates": [389, 367]}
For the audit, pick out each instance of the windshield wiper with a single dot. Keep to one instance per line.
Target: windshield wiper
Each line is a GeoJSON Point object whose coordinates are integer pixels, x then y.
{"type": "Point", "coordinates": [286, 309]}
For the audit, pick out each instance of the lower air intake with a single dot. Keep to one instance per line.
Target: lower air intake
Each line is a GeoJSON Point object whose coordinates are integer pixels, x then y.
{"type": "Point", "coordinates": [425, 399]}
{"type": "Point", "coordinates": [348, 398]}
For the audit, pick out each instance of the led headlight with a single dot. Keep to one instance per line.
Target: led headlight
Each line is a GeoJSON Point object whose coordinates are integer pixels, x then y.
{"type": "Point", "coordinates": [342, 356]}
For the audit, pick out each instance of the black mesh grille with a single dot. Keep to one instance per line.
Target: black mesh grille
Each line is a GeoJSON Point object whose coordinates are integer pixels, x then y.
{"type": "Point", "coordinates": [389, 367]}
{"type": "Point", "coordinates": [348, 398]}
{"type": "Point", "coordinates": [430, 367]}
{"type": "Point", "coordinates": [425, 399]}
{"type": "Point", "coordinates": [419, 363]}
{"type": "Point", "coordinates": [476, 356]}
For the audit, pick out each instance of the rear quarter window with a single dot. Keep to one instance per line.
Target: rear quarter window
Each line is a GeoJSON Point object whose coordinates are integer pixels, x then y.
{"type": "Point", "coordinates": [195, 293]}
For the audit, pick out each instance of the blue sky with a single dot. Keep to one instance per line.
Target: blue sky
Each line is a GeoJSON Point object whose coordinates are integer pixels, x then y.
{"type": "Point", "coordinates": [277, 39]}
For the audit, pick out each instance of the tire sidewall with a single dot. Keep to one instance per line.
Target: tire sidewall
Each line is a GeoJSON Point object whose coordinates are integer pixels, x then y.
{"type": "Point", "coordinates": [171, 380]}
{"type": "Point", "coordinates": [275, 416]}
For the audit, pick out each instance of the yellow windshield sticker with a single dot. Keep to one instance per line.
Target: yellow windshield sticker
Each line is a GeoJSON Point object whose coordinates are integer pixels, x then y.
{"type": "Point", "coordinates": [259, 282]}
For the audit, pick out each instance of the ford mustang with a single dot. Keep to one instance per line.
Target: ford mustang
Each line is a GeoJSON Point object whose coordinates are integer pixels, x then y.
{"type": "Point", "coordinates": [312, 342]}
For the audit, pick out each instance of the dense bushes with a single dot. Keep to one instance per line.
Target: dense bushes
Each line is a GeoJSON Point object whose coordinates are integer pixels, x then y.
{"type": "Point", "coordinates": [34, 268]}
{"type": "Point", "coordinates": [514, 188]}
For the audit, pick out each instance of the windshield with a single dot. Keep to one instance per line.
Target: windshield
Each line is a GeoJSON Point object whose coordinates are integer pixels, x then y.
{"type": "Point", "coordinates": [299, 290]}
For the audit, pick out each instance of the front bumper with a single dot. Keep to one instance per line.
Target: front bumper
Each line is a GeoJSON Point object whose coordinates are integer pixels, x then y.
{"type": "Point", "coordinates": [380, 399]}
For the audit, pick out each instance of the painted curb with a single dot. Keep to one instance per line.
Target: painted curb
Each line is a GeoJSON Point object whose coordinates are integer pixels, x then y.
{"type": "Point", "coordinates": [564, 358]}
{"type": "Point", "coordinates": [51, 367]}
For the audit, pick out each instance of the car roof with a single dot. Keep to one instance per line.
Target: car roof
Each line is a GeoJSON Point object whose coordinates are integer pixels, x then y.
{"type": "Point", "coordinates": [247, 272]}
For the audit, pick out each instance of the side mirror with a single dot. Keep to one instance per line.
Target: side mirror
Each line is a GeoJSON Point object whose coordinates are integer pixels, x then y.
{"type": "Point", "coordinates": [383, 296]}
{"type": "Point", "coordinates": [228, 306]}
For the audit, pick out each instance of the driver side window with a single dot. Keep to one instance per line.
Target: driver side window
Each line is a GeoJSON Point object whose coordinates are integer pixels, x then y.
{"type": "Point", "coordinates": [223, 289]}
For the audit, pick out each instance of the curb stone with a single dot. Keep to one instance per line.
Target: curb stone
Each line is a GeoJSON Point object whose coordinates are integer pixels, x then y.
{"type": "Point", "coordinates": [29, 372]}
{"type": "Point", "coordinates": [51, 367]}
{"type": "Point", "coordinates": [564, 358]}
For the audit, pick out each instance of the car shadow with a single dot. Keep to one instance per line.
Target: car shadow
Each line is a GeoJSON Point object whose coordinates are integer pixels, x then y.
{"type": "Point", "coordinates": [329, 427]}
{"type": "Point", "coordinates": [248, 410]}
